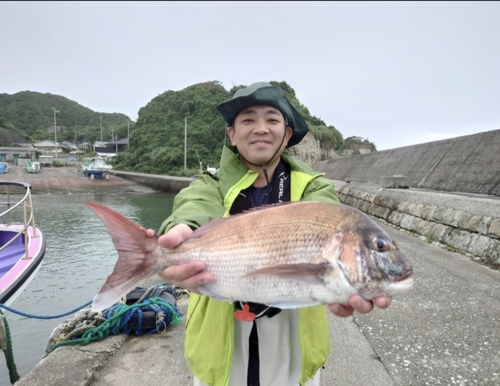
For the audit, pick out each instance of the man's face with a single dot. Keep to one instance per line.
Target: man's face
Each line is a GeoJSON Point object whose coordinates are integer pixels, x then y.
{"type": "Point", "coordinates": [257, 132]}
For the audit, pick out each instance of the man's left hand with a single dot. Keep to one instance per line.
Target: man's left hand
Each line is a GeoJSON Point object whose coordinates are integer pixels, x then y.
{"type": "Point", "coordinates": [358, 304]}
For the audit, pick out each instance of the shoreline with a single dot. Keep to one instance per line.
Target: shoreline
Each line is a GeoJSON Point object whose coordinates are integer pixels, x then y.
{"type": "Point", "coordinates": [70, 180]}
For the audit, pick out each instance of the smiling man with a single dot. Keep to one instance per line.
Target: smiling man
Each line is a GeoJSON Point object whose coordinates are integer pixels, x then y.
{"type": "Point", "coordinates": [252, 344]}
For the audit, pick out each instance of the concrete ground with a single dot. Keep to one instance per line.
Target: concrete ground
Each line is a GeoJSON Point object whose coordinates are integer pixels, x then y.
{"type": "Point", "coordinates": [446, 331]}
{"type": "Point", "coordinates": [65, 180]}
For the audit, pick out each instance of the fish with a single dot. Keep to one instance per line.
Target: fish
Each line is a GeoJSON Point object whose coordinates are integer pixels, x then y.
{"type": "Point", "coordinates": [287, 255]}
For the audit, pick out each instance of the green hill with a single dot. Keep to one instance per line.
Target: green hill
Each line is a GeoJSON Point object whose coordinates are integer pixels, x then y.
{"type": "Point", "coordinates": [157, 143]}
{"type": "Point", "coordinates": [30, 114]}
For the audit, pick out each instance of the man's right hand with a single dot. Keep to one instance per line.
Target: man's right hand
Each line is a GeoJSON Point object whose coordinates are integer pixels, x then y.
{"type": "Point", "coordinates": [187, 276]}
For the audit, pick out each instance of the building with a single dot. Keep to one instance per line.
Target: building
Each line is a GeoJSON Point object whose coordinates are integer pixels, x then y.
{"type": "Point", "coordinates": [111, 147]}
{"type": "Point", "coordinates": [49, 146]}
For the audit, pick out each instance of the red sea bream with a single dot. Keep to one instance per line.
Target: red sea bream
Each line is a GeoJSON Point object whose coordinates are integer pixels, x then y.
{"type": "Point", "coordinates": [286, 255]}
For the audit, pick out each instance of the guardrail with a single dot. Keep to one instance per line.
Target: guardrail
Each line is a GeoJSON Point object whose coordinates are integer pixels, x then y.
{"type": "Point", "coordinates": [25, 204]}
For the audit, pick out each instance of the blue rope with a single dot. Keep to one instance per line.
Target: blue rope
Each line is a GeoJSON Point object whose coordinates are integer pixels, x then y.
{"type": "Point", "coordinates": [42, 316]}
{"type": "Point", "coordinates": [170, 315]}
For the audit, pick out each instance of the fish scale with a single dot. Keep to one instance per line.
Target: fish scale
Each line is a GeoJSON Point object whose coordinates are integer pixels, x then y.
{"type": "Point", "coordinates": [284, 255]}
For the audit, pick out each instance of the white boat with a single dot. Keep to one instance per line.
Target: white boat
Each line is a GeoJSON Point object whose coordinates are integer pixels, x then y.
{"type": "Point", "coordinates": [33, 166]}
{"type": "Point", "coordinates": [96, 164]}
{"type": "Point", "coordinates": [22, 244]}
{"type": "Point", "coordinates": [96, 168]}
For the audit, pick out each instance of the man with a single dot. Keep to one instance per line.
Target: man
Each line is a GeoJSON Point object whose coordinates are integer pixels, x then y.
{"type": "Point", "coordinates": [279, 347]}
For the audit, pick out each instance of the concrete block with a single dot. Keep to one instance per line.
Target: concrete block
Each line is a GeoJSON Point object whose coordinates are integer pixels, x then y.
{"type": "Point", "coordinates": [395, 182]}
{"type": "Point", "coordinates": [494, 229]}
{"type": "Point", "coordinates": [481, 244]}
{"type": "Point", "coordinates": [395, 218]}
{"type": "Point", "coordinates": [410, 222]}
{"type": "Point", "coordinates": [380, 211]}
{"type": "Point", "coordinates": [425, 228]}
{"type": "Point", "coordinates": [459, 239]}
{"type": "Point", "coordinates": [386, 202]}
{"type": "Point", "coordinates": [416, 210]}
{"type": "Point", "coordinates": [474, 222]}
{"type": "Point", "coordinates": [461, 219]}
{"type": "Point", "coordinates": [441, 232]}
{"type": "Point", "coordinates": [484, 225]}
{"type": "Point", "coordinates": [443, 215]}
{"type": "Point", "coordinates": [428, 212]}
{"type": "Point", "coordinates": [403, 207]}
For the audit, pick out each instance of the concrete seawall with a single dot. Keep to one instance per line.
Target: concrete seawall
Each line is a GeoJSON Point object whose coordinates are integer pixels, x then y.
{"type": "Point", "coordinates": [468, 164]}
{"type": "Point", "coordinates": [156, 181]}
{"type": "Point", "coordinates": [468, 224]}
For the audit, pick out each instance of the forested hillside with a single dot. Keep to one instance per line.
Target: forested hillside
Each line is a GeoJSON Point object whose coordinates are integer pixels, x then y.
{"type": "Point", "coordinates": [157, 144]}
{"type": "Point", "coordinates": [30, 114]}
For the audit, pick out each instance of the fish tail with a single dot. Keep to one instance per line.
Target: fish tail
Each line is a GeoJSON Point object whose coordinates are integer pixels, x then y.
{"type": "Point", "coordinates": [136, 259]}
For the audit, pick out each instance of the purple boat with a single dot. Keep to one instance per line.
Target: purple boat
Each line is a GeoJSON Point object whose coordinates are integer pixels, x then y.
{"type": "Point", "coordinates": [22, 244]}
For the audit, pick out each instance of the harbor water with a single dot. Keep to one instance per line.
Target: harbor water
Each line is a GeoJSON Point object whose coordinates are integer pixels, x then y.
{"type": "Point", "coordinates": [78, 258]}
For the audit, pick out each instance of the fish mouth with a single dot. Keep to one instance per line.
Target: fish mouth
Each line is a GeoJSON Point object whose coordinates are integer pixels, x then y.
{"type": "Point", "coordinates": [403, 284]}
{"type": "Point", "coordinates": [406, 276]}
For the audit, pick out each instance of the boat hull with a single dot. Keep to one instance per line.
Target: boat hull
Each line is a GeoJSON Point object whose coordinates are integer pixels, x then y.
{"type": "Point", "coordinates": [15, 278]}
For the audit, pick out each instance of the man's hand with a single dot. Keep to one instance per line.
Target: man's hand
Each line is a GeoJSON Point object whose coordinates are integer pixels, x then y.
{"type": "Point", "coordinates": [187, 276]}
{"type": "Point", "coordinates": [358, 304]}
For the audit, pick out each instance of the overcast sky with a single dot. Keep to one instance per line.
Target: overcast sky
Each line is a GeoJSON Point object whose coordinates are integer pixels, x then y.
{"type": "Point", "coordinates": [396, 73]}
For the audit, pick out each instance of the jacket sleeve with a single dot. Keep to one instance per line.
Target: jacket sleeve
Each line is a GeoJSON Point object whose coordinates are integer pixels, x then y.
{"type": "Point", "coordinates": [196, 205]}
{"type": "Point", "coordinates": [320, 189]}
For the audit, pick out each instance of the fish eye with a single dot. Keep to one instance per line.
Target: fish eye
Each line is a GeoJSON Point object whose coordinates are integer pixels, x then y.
{"type": "Point", "coordinates": [380, 244]}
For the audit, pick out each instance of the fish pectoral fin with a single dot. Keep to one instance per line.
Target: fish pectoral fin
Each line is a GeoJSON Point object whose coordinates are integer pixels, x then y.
{"type": "Point", "coordinates": [206, 291]}
{"type": "Point", "coordinates": [306, 272]}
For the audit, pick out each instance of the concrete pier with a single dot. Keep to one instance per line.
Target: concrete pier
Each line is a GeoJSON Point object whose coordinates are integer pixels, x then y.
{"type": "Point", "coordinates": [444, 331]}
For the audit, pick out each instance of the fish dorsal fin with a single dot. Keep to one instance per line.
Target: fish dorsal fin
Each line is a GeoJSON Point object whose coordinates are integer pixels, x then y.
{"type": "Point", "coordinates": [205, 228]}
{"type": "Point", "coordinates": [201, 231]}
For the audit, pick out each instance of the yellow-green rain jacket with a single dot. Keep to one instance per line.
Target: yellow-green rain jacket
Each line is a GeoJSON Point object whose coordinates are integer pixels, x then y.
{"type": "Point", "coordinates": [210, 323]}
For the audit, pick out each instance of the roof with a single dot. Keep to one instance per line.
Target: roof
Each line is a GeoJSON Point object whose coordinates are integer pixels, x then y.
{"type": "Point", "coordinates": [123, 141]}
{"type": "Point", "coordinates": [70, 145]}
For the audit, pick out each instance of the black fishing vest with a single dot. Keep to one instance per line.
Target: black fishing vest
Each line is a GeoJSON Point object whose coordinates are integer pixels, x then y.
{"type": "Point", "coordinates": [280, 192]}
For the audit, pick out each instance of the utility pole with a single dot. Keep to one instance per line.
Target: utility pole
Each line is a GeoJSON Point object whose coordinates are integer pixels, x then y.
{"type": "Point", "coordinates": [55, 128]}
{"type": "Point", "coordinates": [185, 138]}
{"type": "Point", "coordinates": [128, 135]}
{"type": "Point", "coordinates": [101, 129]}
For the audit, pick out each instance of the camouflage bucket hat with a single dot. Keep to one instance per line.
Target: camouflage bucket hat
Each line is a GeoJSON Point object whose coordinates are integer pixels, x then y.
{"type": "Point", "coordinates": [263, 93]}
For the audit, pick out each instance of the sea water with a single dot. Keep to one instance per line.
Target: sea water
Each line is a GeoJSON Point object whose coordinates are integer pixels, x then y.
{"type": "Point", "coordinates": [78, 258]}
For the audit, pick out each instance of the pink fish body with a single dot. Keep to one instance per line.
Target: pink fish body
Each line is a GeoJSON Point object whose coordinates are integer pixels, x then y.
{"type": "Point", "coordinates": [287, 256]}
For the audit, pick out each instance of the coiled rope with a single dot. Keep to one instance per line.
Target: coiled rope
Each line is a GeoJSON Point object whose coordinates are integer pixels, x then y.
{"type": "Point", "coordinates": [91, 326]}
{"type": "Point", "coordinates": [6, 346]}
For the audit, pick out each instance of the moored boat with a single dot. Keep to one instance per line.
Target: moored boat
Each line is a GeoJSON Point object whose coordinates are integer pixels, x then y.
{"type": "Point", "coordinates": [96, 168]}
{"type": "Point", "coordinates": [33, 167]}
{"type": "Point", "coordinates": [22, 244]}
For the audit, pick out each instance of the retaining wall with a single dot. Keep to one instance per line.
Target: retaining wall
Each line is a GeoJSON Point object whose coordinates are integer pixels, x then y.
{"type": "Point", "coordinates": [156, 181]}
{"type": "Point", "coordinates": [472, 229]}
{"type": "Point", "coordinates": [464, 164]}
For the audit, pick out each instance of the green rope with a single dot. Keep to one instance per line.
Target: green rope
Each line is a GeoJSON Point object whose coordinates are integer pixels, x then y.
{"type": "Point", "coordinates": [105, 328]}
{"type": "Point", "coordinates": [9, 354]}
